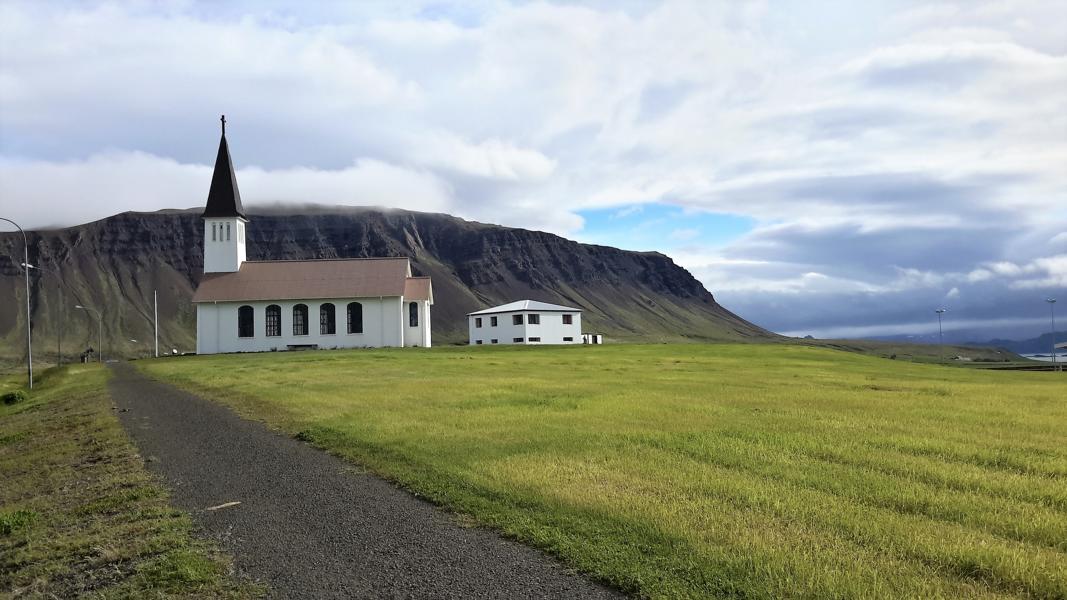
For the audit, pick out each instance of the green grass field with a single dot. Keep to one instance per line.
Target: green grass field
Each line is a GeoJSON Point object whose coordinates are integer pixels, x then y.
{"type": "Point", "coordinates": [79, 514]}
{"type": "Point", "coordinates": [748, 471]}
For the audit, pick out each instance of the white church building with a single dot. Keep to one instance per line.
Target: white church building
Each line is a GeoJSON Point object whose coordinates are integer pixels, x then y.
{"type": "Point", "coordinates": [258, 306]}
{"type": "Point", "coordinates": [525, 322]}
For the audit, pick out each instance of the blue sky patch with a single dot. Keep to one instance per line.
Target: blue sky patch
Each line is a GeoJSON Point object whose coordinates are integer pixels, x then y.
{"type": "Point", "coordinates": [658, 226]}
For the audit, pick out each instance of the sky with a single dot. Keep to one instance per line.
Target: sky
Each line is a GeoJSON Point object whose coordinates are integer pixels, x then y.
{"type": "Point", "coordinates": [833, 168]}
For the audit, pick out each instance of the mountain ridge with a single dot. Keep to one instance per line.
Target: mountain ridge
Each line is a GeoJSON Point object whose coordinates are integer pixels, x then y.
{"type": "Point", "coordinates": [114, 264]}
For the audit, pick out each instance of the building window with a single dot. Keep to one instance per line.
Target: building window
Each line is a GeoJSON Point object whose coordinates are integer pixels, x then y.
{"type": "Point", "coordinates": [240, 233]}
{"type": "Point", "coordinates": [535, 339]}
{"type": "Point", "coordinates": [516, 319]}
{"type": "Point", "coordinates": [568, 319]}
{"type": "Point", "coordinates": [245, 322]}
{"type": "Point", "coordinates": [327, 320]}
{"type": "Point", "coordinates": [492, 341]}
{"type": "Point", "coordinates": [478, 322]}
{"type": "Point", "coordinates": [227, 232]}
{"type": "Point", "coordinates": [479, 342]}
{"type": "Point", "coordinates": [300, 319]}
{"type": "Point", "coordinates": [274, 321]}
{"type": "Point", "coordinates": [535, 319]}
{"type": "Point", "coordinates": [213, 227]}
{"type": "Point", "coordinates": [517, 340]}
{"type": "Point", "coordinates": [355, 317]}
{"type": "Point", "coordinates": [568, 339]}
{"type": "Point", "coordinates": [413, 314]}
{"type": "Point", "coordinates": [492, 321]}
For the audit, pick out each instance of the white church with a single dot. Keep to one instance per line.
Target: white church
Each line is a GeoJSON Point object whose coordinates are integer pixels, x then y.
{"type": "Point", "coordinates": [258, 306]}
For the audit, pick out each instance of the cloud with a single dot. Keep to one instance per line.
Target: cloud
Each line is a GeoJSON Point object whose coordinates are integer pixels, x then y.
{"type": "Point", "coordinates": [875, 158]}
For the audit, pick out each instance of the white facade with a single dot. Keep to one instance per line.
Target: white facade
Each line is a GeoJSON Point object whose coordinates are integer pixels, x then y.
{"type": "Point", "coordinates": [525, 322]}
{"type": "Point", "coordinates": [224, 244]}
{"type": "Point", "coordinates": [385, 324]}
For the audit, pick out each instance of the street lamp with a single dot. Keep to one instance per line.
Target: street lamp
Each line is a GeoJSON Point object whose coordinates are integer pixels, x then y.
{"type": "Point", "coordinates": [940, 334]}
{"type": "Point", "coordinates": [1052, 316]}
{"type": "Point", "coordinates": [59, 310]}
{"type": "Point", "coordinates": [29, 334]}
{"type": "Point", "coordinates": [100, 336]}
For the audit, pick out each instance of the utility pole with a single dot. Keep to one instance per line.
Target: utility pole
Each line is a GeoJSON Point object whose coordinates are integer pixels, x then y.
{"type": "Point", "coordinates": [1052, 316]}
{"type": "Point", "coordinates": [26, 270]}
{"type": "Point", "coordinates": [155, 318]}
{"type": "Point", "coordinates": [940, 335]}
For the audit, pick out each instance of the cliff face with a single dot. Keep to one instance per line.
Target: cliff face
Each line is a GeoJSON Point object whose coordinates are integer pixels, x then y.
{"type": "Point", "coordinates": [114, 265]}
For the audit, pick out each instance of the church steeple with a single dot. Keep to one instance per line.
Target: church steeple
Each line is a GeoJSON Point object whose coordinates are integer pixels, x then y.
{"type": "Point", "coordinates": [224, 218]}
{"type": "Point", "coordinates": [223, 198]}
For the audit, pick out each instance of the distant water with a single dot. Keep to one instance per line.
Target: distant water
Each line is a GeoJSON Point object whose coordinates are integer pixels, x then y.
{"type": "Point", "coordinates": [1060, 358]}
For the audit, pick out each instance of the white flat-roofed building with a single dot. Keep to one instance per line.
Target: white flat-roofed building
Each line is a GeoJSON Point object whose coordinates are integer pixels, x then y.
{"type": "Point", "coordinates": [525, 322]}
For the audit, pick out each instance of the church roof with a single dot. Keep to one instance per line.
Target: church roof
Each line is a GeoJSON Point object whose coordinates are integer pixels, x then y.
{"type": "Point", "coordinates": [312, 280]}
{"type": "Point", "coordinates": [526, 305]}
{"type": "Point", "coordinates": [418, 288]}
{"type": "Point", "coordinates": [223, 198]}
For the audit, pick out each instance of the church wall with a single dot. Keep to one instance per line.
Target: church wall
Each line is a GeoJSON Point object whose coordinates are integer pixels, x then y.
{"type": "Point", "coordinates": [417, 336]}
{"type": "Point", "coordinates": [217, 326]}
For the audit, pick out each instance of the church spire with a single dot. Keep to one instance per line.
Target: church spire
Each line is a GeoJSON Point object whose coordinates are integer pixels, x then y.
{"type": "Point", "coordinates": [223, 198]}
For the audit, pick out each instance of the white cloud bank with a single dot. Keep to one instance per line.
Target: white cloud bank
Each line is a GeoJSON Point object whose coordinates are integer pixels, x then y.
{"type": "Point", "coordinates": [901, 150]}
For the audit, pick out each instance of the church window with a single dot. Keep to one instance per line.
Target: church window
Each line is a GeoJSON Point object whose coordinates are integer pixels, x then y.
{"type": "Point", "coordinates": [516, 319]}
{"type": "Point", "coordinates": [327, 319]}
{"type": "Point", "coordinates": [355, 317]}
{"type": "Point", "coordinates": [518, 340]}
{"type": "Point", "coordinates": [274, 321]}
{"type": "Point", "coordinates": [214, 227]}
{"type": "Point", "coordinates": [300, 319]}
{"type": "Point", "coordinates": [535, 319]}
{"type": "Point", "coordinates": [492, 321]}
{"type": "Point", "coordinates": [413, 314]}
{"type": "Point", "coordinates": [568, 319]}
{"type": "Point", "coordinates": [245, 322]}
{"type": "Point", "coordinates": [227, 232]}
{"type": "Point", "coordinates": [478, 322]}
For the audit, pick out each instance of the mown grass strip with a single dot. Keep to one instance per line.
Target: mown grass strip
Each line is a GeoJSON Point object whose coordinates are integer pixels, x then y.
{"type": "Point", "coordinates": [80, 516]}
{"type": "Point", "coordinates": [702, 471]}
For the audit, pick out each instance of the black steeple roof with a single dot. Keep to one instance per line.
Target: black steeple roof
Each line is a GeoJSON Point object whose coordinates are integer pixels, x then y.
{"type": "Point", "coordinates": [223, 199]}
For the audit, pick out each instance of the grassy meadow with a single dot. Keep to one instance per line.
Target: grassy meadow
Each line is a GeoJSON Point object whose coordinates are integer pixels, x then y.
{"type": "Point", "coordinates": [750, 471]}
{"type": "Point", "coordinates": [79, 514]}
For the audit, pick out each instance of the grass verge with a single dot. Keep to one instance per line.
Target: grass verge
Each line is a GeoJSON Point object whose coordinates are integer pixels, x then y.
{"type": "Point", "coordinates": [680, 471]}
{"type": "Point", "coordinates": [79, 514]}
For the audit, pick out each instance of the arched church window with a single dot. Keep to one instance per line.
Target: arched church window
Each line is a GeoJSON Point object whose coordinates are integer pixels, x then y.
{"type": "Point", "coordinates": [327, 319]}
{"type": "Point", "coordinates": [413, 314]}
{"type": "Point", "coordinates": [245, 322]}
{"type": "Point", "coordinates": [227, 232]}
{"type": "Point", "coordinates": [274, 320]}
{"type": "Point", "coordinates": [300, 319]}
{"type": "Point", "coordinates": [355, 317]}
{"type": "Point", "coordinates": [214, 228]}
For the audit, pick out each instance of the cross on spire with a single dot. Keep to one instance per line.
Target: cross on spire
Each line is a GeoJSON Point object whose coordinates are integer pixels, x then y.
{"type": "Point", "coordinates": [223, 119]}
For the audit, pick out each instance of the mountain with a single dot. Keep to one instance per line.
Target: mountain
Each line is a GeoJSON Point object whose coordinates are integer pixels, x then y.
{"type": "Point", "coordinates": [113, 265]}
{"type": "Point", "coordinates": [1038, 345]}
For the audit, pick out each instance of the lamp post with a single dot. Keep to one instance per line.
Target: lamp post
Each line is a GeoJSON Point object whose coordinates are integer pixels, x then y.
{"type": "Point", "coordinates": [100, 335]}
{"type": "Point", "coordinates": [940, 334]}
{"type": "Point", "coordinates": [59, 310]}
{"type": "Point", "coordinates": [29, 334]}
{"type": "Point", "coordinates": [1052, 317]}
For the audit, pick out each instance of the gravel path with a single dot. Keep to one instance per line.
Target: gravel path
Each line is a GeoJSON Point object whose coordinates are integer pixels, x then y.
{"type": "Point", "coordinates": [310, 525]}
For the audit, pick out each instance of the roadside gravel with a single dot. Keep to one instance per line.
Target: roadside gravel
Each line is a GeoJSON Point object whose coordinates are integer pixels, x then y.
{"type": "Point", "coordinates": [307, 524]}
